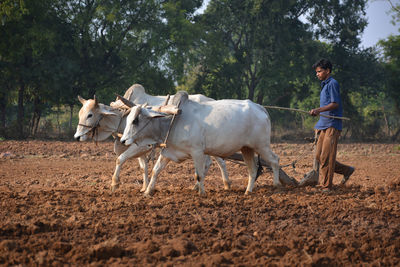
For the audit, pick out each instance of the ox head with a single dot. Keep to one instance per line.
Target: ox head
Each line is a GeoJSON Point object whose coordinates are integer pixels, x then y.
{"type": "Point", "coordinates": [90, 117]}
{"type": "Point", "coordinates": [141, 126]}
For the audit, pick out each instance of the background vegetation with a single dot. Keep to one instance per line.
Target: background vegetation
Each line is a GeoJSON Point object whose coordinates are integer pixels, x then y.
{"type": "Point", "coordinates": [53, 50]}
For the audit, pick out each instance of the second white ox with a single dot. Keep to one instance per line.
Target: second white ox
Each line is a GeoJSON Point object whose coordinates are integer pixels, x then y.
{"type": "Point", "coordinates": [217, 128]}
{"type": "Point", "coordinates": [100, 121]}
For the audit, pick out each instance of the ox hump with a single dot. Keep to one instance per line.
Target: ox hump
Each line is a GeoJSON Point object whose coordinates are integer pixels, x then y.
{"type": "Point", "coordinates": [180, 98]}
{"type": "Point", "coordinates": [134, 92]}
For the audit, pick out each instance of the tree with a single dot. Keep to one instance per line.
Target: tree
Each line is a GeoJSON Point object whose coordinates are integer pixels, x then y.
{"type": "Point", "coordinates": [262, 41]}
{"type": "Point", "coordinates": [391, 48]}
{"type": "Point", "coordinates": [181, 31]}
{"type": "Point", "coordinates": [25, 38]}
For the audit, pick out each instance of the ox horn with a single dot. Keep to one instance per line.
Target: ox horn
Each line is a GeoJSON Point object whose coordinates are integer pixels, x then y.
{"type": "Point", "coordinates": [166, 100]}
{"type": "Point", "coordinates": [126, 101]}
{"type": "Point", "coordinates": [96, 102]}
{"type": "Point", "coordinates": [82, 100]}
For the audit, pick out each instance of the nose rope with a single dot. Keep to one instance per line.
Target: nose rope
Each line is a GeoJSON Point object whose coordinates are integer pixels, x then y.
{"type": "Point", "coordinates": [92, 128]}
{"type": "Point", "coordinates": [142, 128]}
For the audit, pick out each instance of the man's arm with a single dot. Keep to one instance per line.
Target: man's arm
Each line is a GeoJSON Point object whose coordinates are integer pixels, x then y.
{"type": "Point", "coordinates": [331, 106]}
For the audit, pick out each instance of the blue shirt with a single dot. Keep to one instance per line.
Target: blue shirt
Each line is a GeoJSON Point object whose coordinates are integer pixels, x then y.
{"type": "Point", "coordinates": [330, 93]}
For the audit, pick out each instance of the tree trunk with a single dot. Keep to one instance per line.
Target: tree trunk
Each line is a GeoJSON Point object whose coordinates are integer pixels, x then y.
{"type": "Point", "coordinates": [251, 93]}
{"type": "Point", "coordinates": [37, 112]}
{"type": "Point", "coordinates": [35, 129]}
{"type": "Point", "coordinates": [386, 121]}
{"type": "Point", "coordinates": [20, 116]}
{"type": "Point", "coordinates": [260, 97]}
{"type": "Point", "coordinates": [31, 124]}
{"type": "Point", "coordinates": [252, 87]}
{"type": "Point", "coordinates": [92, 93]}
{"type": "Point", "coordinates": [251, 83]}
{"type": "Point", "coordinates": [58, 120]}
{"type": "Point", "coordinates": [394, 137]}
{"type": "Point", "coordinates": [344, 136]}
{"type": "Point", "coordinates": [71, 112]}
{"type": "Point", "coordinates": [397, 108]}
{"type": "Point", "coordinates": [3, 103]}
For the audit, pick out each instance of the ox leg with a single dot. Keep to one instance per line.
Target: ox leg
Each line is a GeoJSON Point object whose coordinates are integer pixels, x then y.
{"type": "Point", "coordinates": [158, 167]}
{"type": "Point", "coordinates": [143, 163]}
{"type": "Point", "coordinates": [119, 149]}
{"type": "Point", "coordinates": [196, 187]}
{"type": "Point", "coordinates": [248, 157]}
{"type": "Point", "coordinates": [273, 160]}
{"type": "Point", "coordinates": [200, 161]}
{"type": "Point", "coordinates": [127, 154]}
{"type": "Point", "coordinates": [224, 173]}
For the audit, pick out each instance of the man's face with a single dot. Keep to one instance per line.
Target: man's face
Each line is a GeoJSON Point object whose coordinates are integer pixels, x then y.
{"type": "Point", "coordinates": [322, 74]}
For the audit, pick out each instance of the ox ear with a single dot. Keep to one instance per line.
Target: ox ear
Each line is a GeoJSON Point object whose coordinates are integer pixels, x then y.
{"type": "Point", "coordinates": [107, 112]}
{"type": "Point", "coordinates": [82, 100]}
{"type": "Point", "coordinates": [96, 102]}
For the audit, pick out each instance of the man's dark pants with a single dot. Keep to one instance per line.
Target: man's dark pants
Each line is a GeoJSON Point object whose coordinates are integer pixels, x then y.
{"type": "Point", "coordinates": [325, 154]}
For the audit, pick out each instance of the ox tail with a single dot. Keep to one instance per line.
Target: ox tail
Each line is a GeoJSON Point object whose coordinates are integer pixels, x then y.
{"type": "Point", "coordinates": [264, 110]}
{"type": "Point", "coordinates": [260, 168]}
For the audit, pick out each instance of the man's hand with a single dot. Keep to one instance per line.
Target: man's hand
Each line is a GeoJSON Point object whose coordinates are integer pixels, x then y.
{"type": "Point", "coordinates": [315, 112]}
{"type": "Point", "coordinates": [331, 106]}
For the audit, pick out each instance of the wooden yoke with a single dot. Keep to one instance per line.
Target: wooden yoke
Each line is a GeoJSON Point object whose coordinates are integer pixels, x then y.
{"type": "Point", "coordinates": [164, 144]}
{"type": "Point", "coordinates": [167, 109]}
{"type": "Point", "coordinates": [164, 108]}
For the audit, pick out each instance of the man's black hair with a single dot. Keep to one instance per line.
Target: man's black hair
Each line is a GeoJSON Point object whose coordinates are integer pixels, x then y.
{"type": "Point", "coordinates": [323, 63]}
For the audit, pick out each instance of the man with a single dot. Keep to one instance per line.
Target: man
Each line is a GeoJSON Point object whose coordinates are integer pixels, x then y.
{"type": "Point", "coordinates": [327, 129]}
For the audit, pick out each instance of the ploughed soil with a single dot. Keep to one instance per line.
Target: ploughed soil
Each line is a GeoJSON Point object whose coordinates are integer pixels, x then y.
{"type": "Point", "coordinates": [56, 208]}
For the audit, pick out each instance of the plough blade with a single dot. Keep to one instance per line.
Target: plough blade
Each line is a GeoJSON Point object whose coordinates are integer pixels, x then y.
{"type": "Point", "coordinates": [284, 178]}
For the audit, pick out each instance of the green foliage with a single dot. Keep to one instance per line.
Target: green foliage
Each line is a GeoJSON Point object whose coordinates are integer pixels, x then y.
{"type": "Point", "coordinates": [53, 50]}
{"type": "Point", "coordinates": [391, 48]}
{"type": "Point", "coordinates": [12, 10]}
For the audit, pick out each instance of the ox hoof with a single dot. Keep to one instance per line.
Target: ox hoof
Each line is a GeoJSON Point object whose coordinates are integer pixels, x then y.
{"type": "Point", "coordinates": [196, 187]}
{"type": "Point", "coordinates": [114, 187]}
{"type": "Point", "coordinates": [149, 193]}
{"type": "Point", "coordinates": [248, 192]}
{"type": "Point", "coordinates": [227, 186]}
{"type": "Point", "coordinates": [143, 189]}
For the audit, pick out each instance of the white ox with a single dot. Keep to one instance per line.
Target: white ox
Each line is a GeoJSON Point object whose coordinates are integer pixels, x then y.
{"type": "Point", "coordinates": [217, 128]}
{"type": "Point", "coordinates": [99, 121]}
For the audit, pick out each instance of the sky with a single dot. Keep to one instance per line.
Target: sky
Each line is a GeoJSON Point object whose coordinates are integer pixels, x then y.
{"type": "Point", "coordinates": [379, 22]}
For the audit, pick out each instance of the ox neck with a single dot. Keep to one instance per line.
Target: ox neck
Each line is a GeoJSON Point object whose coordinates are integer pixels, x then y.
{"type": "Point", "coordinates": [164, 124]}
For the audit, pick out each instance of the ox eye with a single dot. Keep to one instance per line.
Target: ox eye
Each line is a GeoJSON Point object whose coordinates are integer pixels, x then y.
{"type": "Point", "coordinates": [90, 115]}
{"type": "Point", "coordinates": [135, 121]}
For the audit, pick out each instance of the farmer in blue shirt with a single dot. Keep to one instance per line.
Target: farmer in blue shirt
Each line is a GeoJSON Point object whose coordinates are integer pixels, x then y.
{"type": "Point", "coordinates": [328, 129]}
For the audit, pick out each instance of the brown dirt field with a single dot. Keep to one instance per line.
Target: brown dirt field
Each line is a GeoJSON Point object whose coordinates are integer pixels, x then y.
{"type": "Point", "coordinates": [57, 209]}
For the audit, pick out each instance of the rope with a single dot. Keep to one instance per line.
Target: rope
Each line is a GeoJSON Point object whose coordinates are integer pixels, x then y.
{"type": "Point", "coordinates": [164, 144]}
{"type": "Point", "coordinates": [303, 111]}
{"type": "Point", "coordinates": [293, 163]}
{"type": "Point", "coordinates": [93, 128]}
{"type": "Point", "coordinates": [141, 129]}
